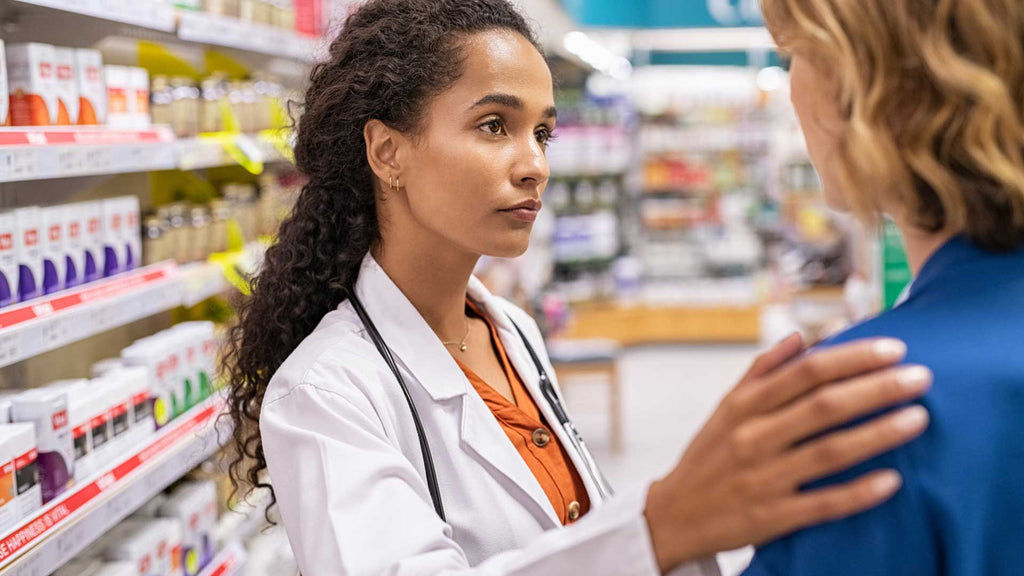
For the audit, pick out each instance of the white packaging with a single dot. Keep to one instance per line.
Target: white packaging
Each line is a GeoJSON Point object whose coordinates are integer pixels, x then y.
{"type": "Point", "coordinates": [146, 353]}
{"type": "Point", "coordinates": [106, 366]}
{"type": "Point", "coordinates": [28, 251]}
{"type": "Point", "coordinates": [5, 410]}
{"type": "Point", "coordinates": [26, 470]}
{"type": "Point", "coordinates": [114, 244]}
{"type": "Point", "coordinates": [132, 232]}
{"type": "Point", "coordinates": [67, 87]}
{"type": "Point", "coordinates": [138, 106]}
{"type": "Point", "coordinates": [80, 566]}
{"type": "Point", "coordinates": [8, 260]}
{"type": "Point", "coordinates": [184, 338]}
{"type": "Point", "coordinates": [116, 569]}
{"type": "Point", "coordinates": [92, 242]}
{"type": "Point", "coordinates": [92, 88]}
{"type": "Point", "coordinates": [194, 506]}
{"type": "Point", "coordinates": [10, 514]}
{"type": "Point", "coordinates": [174, 374]}
{"type": "Point", "coordinates": [47, 410]}
{"type": "Point", "coordinates": [153, 546]}
{"type": "Point", "coordinates": [119, 97]}
{"type": "Point", "coordinates": [5, 118]}
{"type": "Point", "coordinates": [83, 405]}
{"type": "Point", "coordinates": [32, 82]}
{"type": "Point", "coordinates": [74, 245]}
{"type": "Point", "coordinates": [54, 249]}
{"type": "Point", "coordinates": [135, 379]}
{"type": "Point", "coordinates": [117, 398]}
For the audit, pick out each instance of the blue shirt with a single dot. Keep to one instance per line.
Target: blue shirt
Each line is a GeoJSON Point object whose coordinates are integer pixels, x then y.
{"type": "Point", "coordinates": [961, 509]}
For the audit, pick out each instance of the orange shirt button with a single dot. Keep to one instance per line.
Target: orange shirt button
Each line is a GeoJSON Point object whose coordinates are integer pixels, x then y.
{"type": "Point", "coordinates": [574, 511]}
{"type": "Point", "coordinates": [541, 437]}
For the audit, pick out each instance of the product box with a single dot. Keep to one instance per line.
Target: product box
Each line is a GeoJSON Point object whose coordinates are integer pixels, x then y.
{"type": "Point", "coordinates": [138, 82]}
{"type": "Point", "coordinates": [26, 469]}
{"type": "Point", "coordinates": [118, 82]}
{"type": "Point", "coordinates": [147, 353]}
{"type": "Point", "coordinates": [135, 381]}
{"type": "Point", "coordinates": [116, 569]}
{"type": "Point", "coordinates": [117, 397]}
{"type": "Point", "coordinates": [9, 511]}
{"type": "Point", "coordinates": [83, 404]}
{"type": "Point", "coordinates": [8, 260]}
{"type": "Point", "coordinates": [115, 247]}
{"type": "Point", "coordinates": [105, 366]}
{"type": "Point", "coordinates": [153, 546]}
{"type": "Point", "coordinates": [5, 118]}
{"type": "Point", "coordinates": [32, 82]}
{"type": "Point", "coordinates": [74, 245]}
{"type": "Point", "coordinates": [47, 410]}
{"type": "Point", "coordinates": [79, 566]}
{"type": "Point", "coordinates": [183, 338]}
{"type": "Point", "coordinates": [67, 88]}
{"type": "Point", "coordinates": [92, 87]}
{"type": "Point", "coordinates": [194, 506]}
{"type": "Point", "coordinates": [28, 251]}
{"type": "Point", "coordinates": [92, 242]}
{"type": "Point", "coordinates": [54, 248]}
{"type": "Point", "coordinates": [5, 408]}
{"type": "Point", "coordinates": [132, 232]}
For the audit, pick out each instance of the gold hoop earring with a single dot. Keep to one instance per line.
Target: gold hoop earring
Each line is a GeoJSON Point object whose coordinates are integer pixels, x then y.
{"type": "Point", "coordinates": [395, 183]}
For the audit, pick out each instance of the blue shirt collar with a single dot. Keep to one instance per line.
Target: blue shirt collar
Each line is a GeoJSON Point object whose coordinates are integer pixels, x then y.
{"type": "Point", "coordinates": [956, 251]}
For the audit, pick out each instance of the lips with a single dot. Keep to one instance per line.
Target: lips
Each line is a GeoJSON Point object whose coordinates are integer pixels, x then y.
{"type": "Point", "coordinates": [525, 211]}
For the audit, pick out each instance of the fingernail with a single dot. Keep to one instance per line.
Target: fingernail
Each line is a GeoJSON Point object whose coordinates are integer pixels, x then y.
{"type": "Point", "coordinates": [912, 419]}
{"type": "Point", "coordinates": [890, 350]}
{"type": "Point", "coordinates": [915, 378]}
{"type": "Point", "coordinates": [887, 483]}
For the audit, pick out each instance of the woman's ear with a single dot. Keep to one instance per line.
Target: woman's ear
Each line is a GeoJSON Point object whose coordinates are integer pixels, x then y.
{"type": "Point", "coordinates": [382, 143]}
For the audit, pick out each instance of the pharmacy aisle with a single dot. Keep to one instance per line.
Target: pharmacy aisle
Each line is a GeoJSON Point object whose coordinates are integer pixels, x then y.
{"type": "Point", "coordinates": [145, 162]}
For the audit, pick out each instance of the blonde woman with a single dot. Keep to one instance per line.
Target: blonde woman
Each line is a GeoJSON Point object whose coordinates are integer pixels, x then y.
{"type": "Point", "coordinates": [915, 109]}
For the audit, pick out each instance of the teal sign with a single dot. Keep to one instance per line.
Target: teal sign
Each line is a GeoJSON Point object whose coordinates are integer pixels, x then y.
{"type": "Point", "coordinates": [896, 274]}
{"type": "Point", "coordinates": [666, 13]}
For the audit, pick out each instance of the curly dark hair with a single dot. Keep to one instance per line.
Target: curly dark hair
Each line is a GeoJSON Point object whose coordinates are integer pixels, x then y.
{"type": "Point", "coordinates": [389, 60]}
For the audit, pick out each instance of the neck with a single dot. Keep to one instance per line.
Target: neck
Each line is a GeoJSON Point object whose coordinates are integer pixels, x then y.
{"type": "Point", "coordinates": [920, 245]}
{"type": "Point", "coordinates": [434, 279]}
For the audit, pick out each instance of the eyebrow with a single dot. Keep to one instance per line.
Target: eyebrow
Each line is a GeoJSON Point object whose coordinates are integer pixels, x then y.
{"type": "Point", "coordinates": [510, 101]}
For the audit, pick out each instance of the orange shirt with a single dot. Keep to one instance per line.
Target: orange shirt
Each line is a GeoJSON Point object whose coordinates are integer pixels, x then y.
{"type": "Point", "coordinates": [533, 439]}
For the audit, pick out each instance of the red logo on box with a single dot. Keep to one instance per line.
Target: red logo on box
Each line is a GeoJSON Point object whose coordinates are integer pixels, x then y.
{"type": "Point", "coordinates": [64, 72]}
{"type": "Point", "coordinates": [6, 242]}
{"type": "Point", "coordinates": [60, 419]}
{"type": "Point", "coordinates": [144, 564]}
{"type": "Point", "coordinates": [92, 74]}
{"type": "Point", "coordinates": [31, 237]}
{"type": "Point", "coordinates": [115, 222]}
{"type": "Point", "coordinates": [94, 225]}
{"type": "Point", "coordinates": [45, 69]}
{"type": "Point", "coordinates": [55, 233]}
{"type": "Point", "coordinates": [75, 229]}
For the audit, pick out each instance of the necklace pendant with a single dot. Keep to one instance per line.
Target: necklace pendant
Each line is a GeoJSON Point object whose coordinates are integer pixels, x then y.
{"type": "Point", "coordinates": [463, 347]}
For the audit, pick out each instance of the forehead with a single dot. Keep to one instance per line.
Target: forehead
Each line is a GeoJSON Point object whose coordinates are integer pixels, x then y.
{"type": "Point", "coordinates": [501, 61]}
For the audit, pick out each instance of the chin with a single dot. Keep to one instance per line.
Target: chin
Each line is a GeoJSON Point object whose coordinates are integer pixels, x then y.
{"type": "Point", "coordinates": [512, 247]}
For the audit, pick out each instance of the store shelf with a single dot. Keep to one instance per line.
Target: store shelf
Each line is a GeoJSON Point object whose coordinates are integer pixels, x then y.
{"type": "Point", "coordinates": [229, 562]}
{"type": "Point", "coordinates": [227, 149]}
{"type": "Point", "coordinates": [642, 325]}
{"type": "Point", "coordinates": [71, 523]}
{"type": "Point", "coordinates": [142, 13]}
{"type": "Point", "coordinates": [53, 321]}
{"type": "Point", "coordinates": [234, 33]}
{"type": "Point", "coordinates": [60, 152]}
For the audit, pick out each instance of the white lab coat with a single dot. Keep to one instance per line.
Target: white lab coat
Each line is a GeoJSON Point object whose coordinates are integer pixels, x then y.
{"type": "Point", "coordinates": [345, 461]}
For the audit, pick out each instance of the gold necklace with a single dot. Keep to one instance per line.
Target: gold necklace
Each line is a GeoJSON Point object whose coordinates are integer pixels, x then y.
{"type": "Point", "coordinates": [462, 344]}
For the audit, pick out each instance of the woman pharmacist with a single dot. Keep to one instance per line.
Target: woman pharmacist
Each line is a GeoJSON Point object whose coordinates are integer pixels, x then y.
{"type": "Point", "coordinates": [408, 419]}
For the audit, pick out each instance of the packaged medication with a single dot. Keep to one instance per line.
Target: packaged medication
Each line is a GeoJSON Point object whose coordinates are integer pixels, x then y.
{"type": "Point", "coordinates": [54, 249]}
{"type": "Point", "coordinates": [194, 506]}
{"type": "Point", "coordinates": [26, 470]}
{"type": "Point", "coordinates": [67, 88]}
{"type": "Point", "coordinates": [9, 512]}
{"type": "Point", "coordinates": [118, 399]}
{"type": "Point", "coordinates": [32, 82]}
{"type": "Point", "coordinates": [118, 82]}
{"type": "Point", "coordinates": [134, 380]}
{"type": "Point", "coordinates": [115, 569]}
{"type": "Point", "coordinates": [114, 243]}
{"type": "Point", "coordinates": [74, 246]}
{"type": "Point", "coordinates": [92, 89]}
{"type": "Point", "coordinates": [132, 232]}
{"type": "Point", "coordinates": [5, 119]}
{"type": "Point", "coordinates": [28, 251]}
{"type": "Point", "coordinates": [47, 410]}
{"type": "Point", "coordinates": [8, 260]}
{"type": "Point", "coordinates": [92, 242]}
{"type": "Point", "coordinates": [138, 83]}
{"type": "Point", "coordinates": [153, 546]}
{"type": "Point", "coordinates": [105, 366]}
{"type": "Point", "coordinates": [79, 566]}
{"type": "Point", "coordinates": [147, 354]}
{"type": "Point", "coordinates": [83, 405]}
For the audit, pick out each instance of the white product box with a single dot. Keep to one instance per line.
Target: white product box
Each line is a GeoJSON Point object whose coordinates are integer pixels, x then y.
{"type": "Point", "coordinates": [5, 118]}
{"type": "Point", "coordinates": [147, 353]}
{"type": "Point", "coordinates": [105, 366]}
{"type": "Point", "coordinates": [8, 260]}
{"type": "Point", "coordinates": [135, 380]}
{"type": "Point", "coordinates": [47, 410]}
{"type": "Point", "coordinates": [32, 82]}
{"type": "Point", "coordinates": [116, 569]}
{"type": "Point", "coordinates": [92, 213]}
{"type": "Point", "coordinates": [54, 248]}
{"type": "Point", "coordinates": [185, 339]}
{"type": "Point", "coordinates": [114, 244]}
{"type": "Point", "coordinates": [118, 399]}
{"type": "Point", "coordinates": [67, 87]}
{"type": "Point", "coordinates": [28, 251]}
{"type": "Point", "coordinates": [26, 469]}
{"type": "Point", "coordinates": [83, 405]}
{"type": "Point", "coordinates": [138, 83]}
{"type": "Point", "coordinates": [74, 245]}
{"type": "Point", "coordinates": [5, 409]}
{"type": "Point", "coordinates": [80, 566]}
{"type": "Point", "coordinates": [10, 514]}
{"type": "Point", "coordinates": [119, 97]}
{"type": "Point", "coordinates": [153, 546]}
{"type": "Point", "coordinates": [92, 88]}
{"type": "Point", "coordinates": [132, 232]}
{"type": "Point", "coordinates": [194, 506]}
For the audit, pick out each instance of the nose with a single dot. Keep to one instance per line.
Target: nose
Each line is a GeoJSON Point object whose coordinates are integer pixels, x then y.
{"type": "Point", "coordinates": [531, 164]}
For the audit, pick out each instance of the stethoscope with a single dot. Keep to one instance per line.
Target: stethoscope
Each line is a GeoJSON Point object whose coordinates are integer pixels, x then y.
{"type": "Point", "coordinates": [547, 389]}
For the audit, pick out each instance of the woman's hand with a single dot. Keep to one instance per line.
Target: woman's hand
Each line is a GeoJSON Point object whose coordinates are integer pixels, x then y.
{"type": "Point", "coordinates": [739, 481]}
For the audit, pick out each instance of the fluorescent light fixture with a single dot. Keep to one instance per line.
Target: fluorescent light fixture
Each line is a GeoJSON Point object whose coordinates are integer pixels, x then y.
{"type": "Point", "coordinates": [771, 78]}
{"type": "Point", "coordinates": [596, 55]}
{"type": "Point", "coordinates": [696, 39]}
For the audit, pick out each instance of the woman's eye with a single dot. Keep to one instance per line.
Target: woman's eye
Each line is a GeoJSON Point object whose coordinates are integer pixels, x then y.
{"type": "Point", "coordinates": [494, 127]}
{"type": "Point", "coordinates": [545, 136]}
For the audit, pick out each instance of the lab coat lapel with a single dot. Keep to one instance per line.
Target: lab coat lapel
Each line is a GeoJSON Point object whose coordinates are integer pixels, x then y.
{"type": "Point", "coordinates": [521, 360]}
{"type": "Point", "coordinates": [429, 365]}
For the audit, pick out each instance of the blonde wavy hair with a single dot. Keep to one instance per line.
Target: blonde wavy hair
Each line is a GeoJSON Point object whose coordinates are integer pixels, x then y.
{"type": "Point", "coordinates": [932, 94]}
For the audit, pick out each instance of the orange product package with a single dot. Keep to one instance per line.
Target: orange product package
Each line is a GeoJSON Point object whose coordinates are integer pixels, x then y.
{"type": "Point", "coordinates": [32, 79]}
